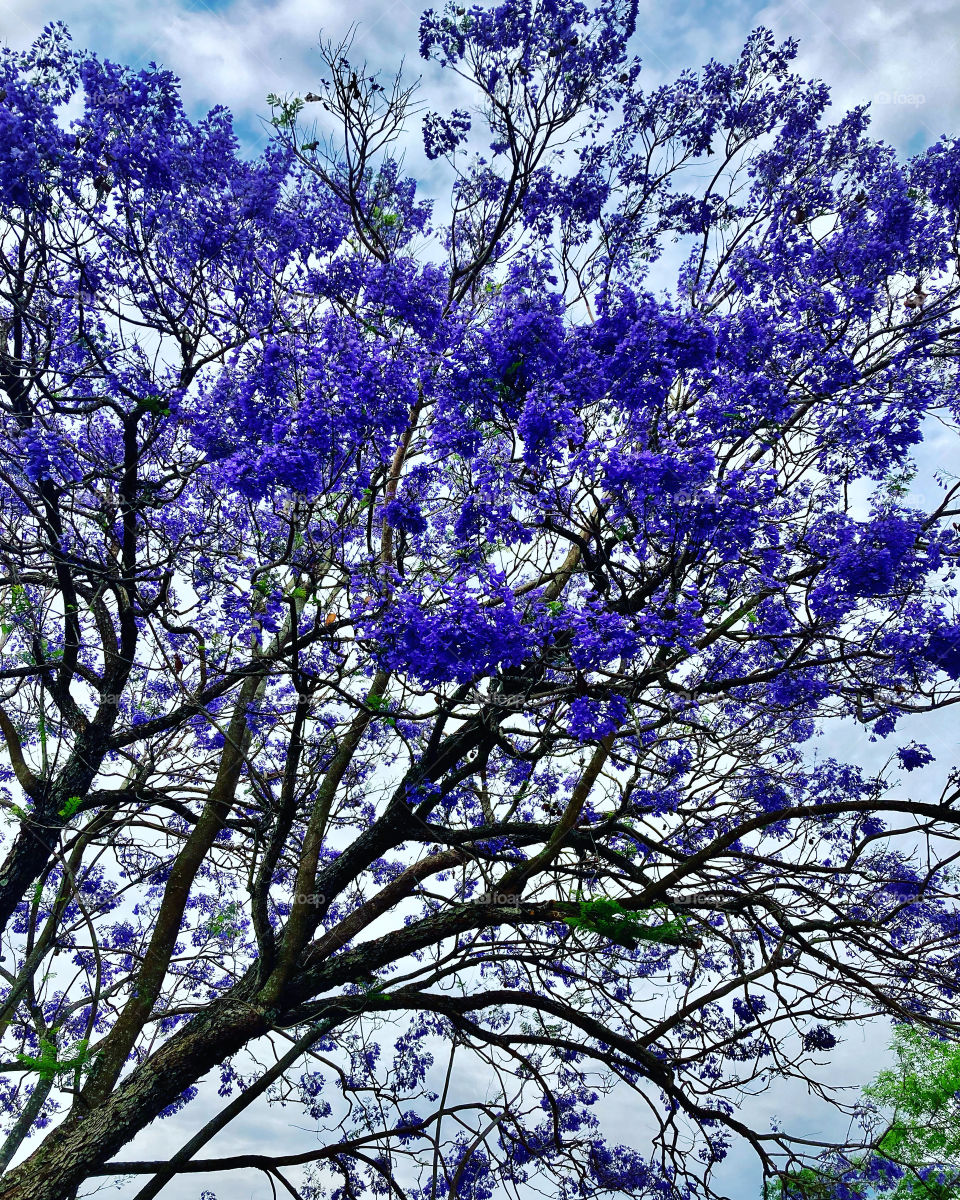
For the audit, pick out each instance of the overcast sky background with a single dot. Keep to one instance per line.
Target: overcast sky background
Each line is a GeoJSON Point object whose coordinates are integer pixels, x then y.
{"type": "Point", "coordinates": [902, 58]}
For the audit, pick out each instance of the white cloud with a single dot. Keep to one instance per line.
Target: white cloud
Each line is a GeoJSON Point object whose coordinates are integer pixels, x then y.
{"type": "Point", "coordinates": [903, 58]}
{"type": "Point", "coordinates": [232, 55]}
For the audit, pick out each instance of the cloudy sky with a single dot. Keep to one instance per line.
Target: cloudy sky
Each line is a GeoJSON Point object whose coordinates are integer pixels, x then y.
{"type": "Point", "coordinates": [902, 58]}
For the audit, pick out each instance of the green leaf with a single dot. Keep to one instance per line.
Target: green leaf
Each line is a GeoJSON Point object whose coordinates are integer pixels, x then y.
{"type": "Point", "coordinates": [224, 923]}
{"type": "Point", "coordinates": [153, 404]}
{"type": "Point", "coordinates": [287, 110]}
{"type": "Point", "coordinates": [70, 807]}
{"type": "Point", "coordinates": [610, 920]}
{"type": "Point", "coordinates": [381, 705]}
{"type": "Point", "coordinates": [46, 1063]}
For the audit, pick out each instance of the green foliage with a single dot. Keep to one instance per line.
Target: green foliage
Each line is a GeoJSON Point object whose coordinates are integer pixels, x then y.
{"type": "Point", "coordinates": [923, 1090]}
{"type": "Point", "coordinates": [610, 920]}
{"type": "Point", "coordinates": [386, 219]}
{"type": "Point", "coordinates": [70, 807]}
{"type": "Point", "coordinates": [510, 373]}
{"type": "Point", "coordinates": [381, 705]}
{"type": "Point", "coordinates": [921, 1099]}
{"type": "Point", "coordinates": [48, 1066]}
{"type": "Point", "coordinates": [803, 1184]}
{"type": "Point", "coordinates": [897, 483]}
{"type": "Point", "coordinates": [18, 606]}
{"type": "Point", "coordinates": [154, 404]}
{"type": "Point", "coordinates": [284, 110]}
{"type": "Point", "coordinates": [224, 923]}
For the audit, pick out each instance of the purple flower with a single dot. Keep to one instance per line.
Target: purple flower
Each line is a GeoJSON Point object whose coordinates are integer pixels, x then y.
{"type": "Point", "coordinates": [914, 756]}
{"type": "Point", "coordinates": [818, 1038]}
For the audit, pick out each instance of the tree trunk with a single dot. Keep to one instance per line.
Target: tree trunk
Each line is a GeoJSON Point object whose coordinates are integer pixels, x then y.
{"type": "Point", "coordinates": [84, 1141]}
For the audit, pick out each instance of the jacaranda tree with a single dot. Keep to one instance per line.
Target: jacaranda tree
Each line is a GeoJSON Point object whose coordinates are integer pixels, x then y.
{"type": "Point", "coordinates": [416, 618]}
